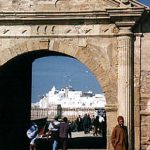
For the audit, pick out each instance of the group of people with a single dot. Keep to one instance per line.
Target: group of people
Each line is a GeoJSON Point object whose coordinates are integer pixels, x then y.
{"type": "Point", "coordinates": [119, 136]}
{"type": "Point", "coordinates": [61, 131]}
{"type": "Point", "coordinates": [58, 131]}
{"type": "Point", "coordinates": [87, 123]}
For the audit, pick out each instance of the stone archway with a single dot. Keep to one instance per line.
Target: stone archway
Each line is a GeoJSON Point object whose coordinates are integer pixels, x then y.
{"type": "Point", "coordinates": [99, 59]}
{"type": "Point", "coordinates": [100, 39]}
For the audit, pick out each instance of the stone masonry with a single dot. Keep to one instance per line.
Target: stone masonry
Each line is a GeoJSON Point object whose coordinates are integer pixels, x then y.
{"type": "Point", "coordinates": [111, 37]}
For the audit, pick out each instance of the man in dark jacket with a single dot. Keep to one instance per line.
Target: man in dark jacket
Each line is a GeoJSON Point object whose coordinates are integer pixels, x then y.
{"type": "Point", "coordinates": [64, 131]}
{"type": "Point", "coordinates": [79, 123]}
{"type": "Point", "coordinates": [96, 124]}
{"type": "Point", "coordinates": [119, 137]}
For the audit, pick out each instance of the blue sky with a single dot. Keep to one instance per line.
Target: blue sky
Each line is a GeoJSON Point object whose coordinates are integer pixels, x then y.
{"type": "Point", "coordinates": [146, 2]}
{"type": "Point", "coordinates": [61, 72]}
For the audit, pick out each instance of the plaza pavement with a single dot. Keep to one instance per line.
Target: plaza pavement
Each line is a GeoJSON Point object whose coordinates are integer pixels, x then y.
{"type": "Point", "coordinates": [79, 141]}
{"type": "Point", "coordinates": [86, 141]}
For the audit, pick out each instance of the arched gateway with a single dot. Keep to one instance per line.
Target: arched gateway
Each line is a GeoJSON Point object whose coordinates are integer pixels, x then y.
{"type": "Point", "coordinates": [99, 33]}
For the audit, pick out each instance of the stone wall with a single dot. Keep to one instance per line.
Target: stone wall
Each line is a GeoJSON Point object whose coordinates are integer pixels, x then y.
{"type": "Point", "coordinates": [142, 85]}
{"type": "Point", "coordinates": [55, 5]}
{"type": "Point", "coordinates": [145, 92]}
{"type": "Point", "coordinates": [99, 54]}
{"type": "Point", "coordinates": [96, 49]}
{"type": "Point", "coordinates": [101, 40]}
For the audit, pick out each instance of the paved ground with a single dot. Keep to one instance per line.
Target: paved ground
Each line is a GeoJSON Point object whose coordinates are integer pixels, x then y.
{"type": "Point", "coordinates": [86, 149]}
{"type": "Point", "coordinates": [81, 134]}
{"type": "Point", "coordinates": [80, 141]}
{"type": "Point", "coordinates": [86, 141]}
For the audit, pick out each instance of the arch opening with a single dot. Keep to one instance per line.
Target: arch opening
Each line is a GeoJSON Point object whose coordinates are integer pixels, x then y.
{"type": "Point", "coordinates": [15, 102]}
{"type": "Point", "coordinates": [15, 87]}
{"type": "Point", "coordinates": [68, 84]}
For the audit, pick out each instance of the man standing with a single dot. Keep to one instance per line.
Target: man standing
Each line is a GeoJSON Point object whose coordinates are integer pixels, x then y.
{"type": "Point", "coordinates": [119, 137]}
{"type": "Point", "coordinates": [79, 123]}
{"type": "Point", "coordinates": [64, 132]}
{"type": "Point", "coordinates": [54, 132]}
{"type": "Point", "coordinates": [96, 124]}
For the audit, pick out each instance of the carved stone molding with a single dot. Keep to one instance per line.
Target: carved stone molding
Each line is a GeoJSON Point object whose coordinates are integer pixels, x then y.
{"type": "Point", "coordinates": [57, 30]}
{"type": "Point", "coordinates": [125, 1]}
{"type": "Point", "coordinates": [111, 107]}
{"type": "Point", "coordinates": [44, 17]}
{"type": "Point", "coordinates": [145, 113]}
{"type": "Point", "coordinates": [126, 17]}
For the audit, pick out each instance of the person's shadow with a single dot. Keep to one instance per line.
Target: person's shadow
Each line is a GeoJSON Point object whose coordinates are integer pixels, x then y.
{"type": "Point", "coordinates": [87, 143]}
{"type": "Point", "coordinates": [75, 143]}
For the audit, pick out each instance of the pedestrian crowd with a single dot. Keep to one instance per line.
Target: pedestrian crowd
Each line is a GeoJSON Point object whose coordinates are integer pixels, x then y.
{"type": "Point", "coordinates": [60, 131]}
{"type": "Point", "coordinates": [88, 124]}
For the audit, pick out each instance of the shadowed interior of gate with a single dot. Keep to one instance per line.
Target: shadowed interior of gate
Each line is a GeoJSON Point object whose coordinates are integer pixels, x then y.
{"type": "Point", "coordinates": [15, 99]}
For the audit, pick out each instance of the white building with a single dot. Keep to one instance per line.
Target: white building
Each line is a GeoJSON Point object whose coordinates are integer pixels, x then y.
{"type": "Point", "coordinates": [69, 98]}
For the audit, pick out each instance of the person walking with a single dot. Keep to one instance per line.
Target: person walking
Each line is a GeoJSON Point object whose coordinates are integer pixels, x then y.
{"type": "Point", "coordinates": [64, 131]}
{"type": "Point", "coordinates": [32, 134]}
{"type": "Point", "coordinates": [86, 124]}
{"type": "Point", "coordinates": [96, 124]}
{"type": "Point", "coordinates": [119, 137]}
{"type": "Point", "coordinates": [104, 128]}
{"type": "Point", "coordinates": [79, 123]}
{"type": "Point", "coordinates": [54, 132]}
